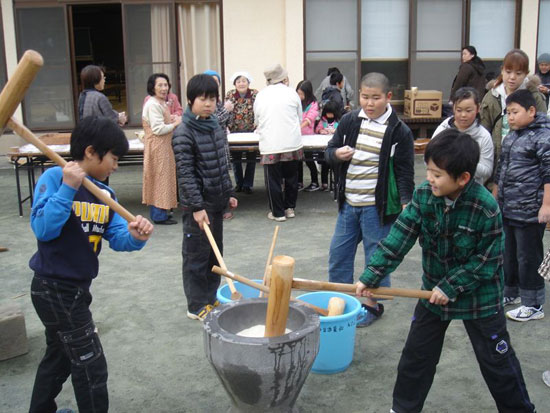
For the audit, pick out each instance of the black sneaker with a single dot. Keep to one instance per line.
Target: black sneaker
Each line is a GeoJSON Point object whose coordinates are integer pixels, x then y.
{"type": "Point", "coordinates": [247, 190]}
{"type": "Point", "coordinates": [312, 187]}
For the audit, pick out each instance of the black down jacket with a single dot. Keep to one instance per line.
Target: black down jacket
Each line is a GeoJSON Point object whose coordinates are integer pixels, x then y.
{"type": "Point", "coordinates": [203, 172]}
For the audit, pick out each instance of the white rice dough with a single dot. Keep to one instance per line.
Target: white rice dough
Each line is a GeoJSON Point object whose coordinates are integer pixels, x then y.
{"type": "Point", "coordinates": [256, 331]}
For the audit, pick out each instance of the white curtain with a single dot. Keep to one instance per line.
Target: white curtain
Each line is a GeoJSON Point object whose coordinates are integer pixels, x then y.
{"type": "Point", "coordinates": [160, 38]}
{"type": "Point", "coordinates": [199, 40]}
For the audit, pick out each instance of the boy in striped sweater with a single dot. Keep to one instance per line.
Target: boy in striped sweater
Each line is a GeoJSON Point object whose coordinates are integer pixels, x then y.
{"type": "Point", "coordinates": [372, 155]}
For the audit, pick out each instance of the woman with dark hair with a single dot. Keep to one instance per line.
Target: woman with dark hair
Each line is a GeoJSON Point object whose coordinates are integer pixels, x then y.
{"type": "Point", "coordinates": [159, 167]}
{"type": "Point", "coordinates": [310, 113]}
{"type": "Point", "coordinates": [471, 72]}
{"type": "Point", "coordinates": [91, 101]}
{"type": "Point", "coordinates": [172, 101]}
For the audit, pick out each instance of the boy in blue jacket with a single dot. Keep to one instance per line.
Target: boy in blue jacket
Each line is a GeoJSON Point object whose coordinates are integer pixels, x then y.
{"type": "Point", "coordinates": [69, 223]}
{"type": "Point", "coordinates": [523, 188]}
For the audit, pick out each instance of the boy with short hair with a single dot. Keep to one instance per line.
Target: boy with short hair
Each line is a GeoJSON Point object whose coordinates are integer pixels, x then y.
{"type": "Point", "coordinates": [459, 226]}
{"type": "Point", "coordinates": [69, 223]}
{"type": "Point", "coordinates": [205, 190]}
{"type": "Point", "coordinates": [523, 187]}
{"type": "Point", "coordinates": [372, 155]}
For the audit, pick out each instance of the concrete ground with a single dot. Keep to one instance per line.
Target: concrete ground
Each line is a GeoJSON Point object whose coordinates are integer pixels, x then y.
{"type": "Point", "coordinates": [155, 353]}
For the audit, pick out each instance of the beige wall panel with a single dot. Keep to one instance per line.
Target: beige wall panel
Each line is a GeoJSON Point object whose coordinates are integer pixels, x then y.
{"type": "Point", "coordinates": [258, 33]}
{"type": "Point", "coordinates": [528, 33]}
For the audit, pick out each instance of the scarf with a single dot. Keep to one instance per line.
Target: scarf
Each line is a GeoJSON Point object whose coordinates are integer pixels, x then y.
{"type": "Point", "coordinates": [201, 124]}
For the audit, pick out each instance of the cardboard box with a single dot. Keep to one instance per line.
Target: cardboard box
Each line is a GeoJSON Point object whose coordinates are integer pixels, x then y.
{"type": "Point", "coordinates": [423, 103]}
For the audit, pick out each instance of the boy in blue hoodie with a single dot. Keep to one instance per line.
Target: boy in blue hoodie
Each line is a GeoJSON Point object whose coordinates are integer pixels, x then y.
{"type": "Point", "coordinates": [69, 223]}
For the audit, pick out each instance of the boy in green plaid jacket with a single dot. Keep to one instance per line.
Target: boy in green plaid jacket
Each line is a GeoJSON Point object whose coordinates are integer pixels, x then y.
{"type": "Point", "coordinates": [459, 226]}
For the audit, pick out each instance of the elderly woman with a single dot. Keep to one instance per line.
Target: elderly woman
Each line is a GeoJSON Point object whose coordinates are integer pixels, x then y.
{"type": "Point", "coordinates": [91, 101]}
{"type": "Point", "coordinates": [172, 101]}
{"type": "Point", "coordinates": [278, 113]}
{"type": "Point", "coordinates": [159, 166]}
{"type": "Point", "coordinates": [242, 120]}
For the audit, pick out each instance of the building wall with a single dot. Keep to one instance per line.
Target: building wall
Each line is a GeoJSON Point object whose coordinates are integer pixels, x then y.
{"type": "Point", "coordinates": [258, 33]}
{"type": "Point", "coordinates": [528, 33]}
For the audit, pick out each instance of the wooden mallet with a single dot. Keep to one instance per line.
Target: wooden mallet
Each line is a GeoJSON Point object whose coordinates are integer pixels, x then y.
{"type": "Point", "coordinates": [12, 95]}
{"type": "Point", "coordinates": [279, 296]}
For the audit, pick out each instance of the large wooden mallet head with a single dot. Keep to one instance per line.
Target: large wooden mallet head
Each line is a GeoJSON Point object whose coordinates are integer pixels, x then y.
{"type": "Point", "coordinates": [12, 95]}
{"type": "Point", "coordinates": [18, 84]}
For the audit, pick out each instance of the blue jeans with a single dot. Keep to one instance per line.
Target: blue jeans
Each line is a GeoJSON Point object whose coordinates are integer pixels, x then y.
{"type": "Point", "coordinates": [158, 214]}
{"type": "Point", "coordinates": [354, 224]}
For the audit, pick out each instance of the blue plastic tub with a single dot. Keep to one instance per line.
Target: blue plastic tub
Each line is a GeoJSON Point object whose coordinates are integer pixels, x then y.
{"type": "Point", "coordinates": [224, 293]}
{"type": "Point", "coordinates": [337, 332]}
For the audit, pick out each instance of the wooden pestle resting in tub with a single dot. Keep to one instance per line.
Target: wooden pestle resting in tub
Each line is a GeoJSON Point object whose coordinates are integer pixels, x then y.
{"type": "Point", "coordinates": [279, 296]}
{"type": "Point", "coordinates": [261, 287]}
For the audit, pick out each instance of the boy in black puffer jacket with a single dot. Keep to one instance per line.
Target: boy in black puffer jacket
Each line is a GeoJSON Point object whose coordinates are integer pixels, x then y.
{"type": "Point", "coordinates": [205, 190]}
{"type": "Point", "coordinates": [523, 179]}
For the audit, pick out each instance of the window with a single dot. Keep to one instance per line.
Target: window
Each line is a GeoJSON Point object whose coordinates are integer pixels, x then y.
{"type": "Point", "coordinates": [436, 44]}
{"type": "Point", "coordinates": [331, 40]}
{"type": "Point", "coordinates": [49, 100]}
{"type": "Point", "coordinates": [145, 25]}
{"type": "Point", "coordinates": [492, 29]}
{"type": "Point", "coordinates": [385, 41]}
{"type": "Point", "coordinates": [544, 29]}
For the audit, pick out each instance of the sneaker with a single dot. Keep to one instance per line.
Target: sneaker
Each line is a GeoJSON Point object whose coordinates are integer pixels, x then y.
{"type": "Point", "coordinates": [546, 377]}
{"type": "Point", "coordinates": [373, 314]}
{"type": "Point", "coordinates": [300, 187]}
{"type": "Point", "coordinates": [289, 213]}
{"type": "Point", "coordinates": [312, 187]}
{"type": "Point", "coordinates": [525, 313]}
{"type": "Point", "coordinates": [247, 190]}
{"type": "Point", "coordinates": [278, 219]}
{"type": "Point", "coordinates": [512, 301]}
{"type": "Point", "coordinates": [201, 314]}
{"type": "Point", "coordinates": [324, 187]}
{"type": "Point", "coordinates": [166, 222]}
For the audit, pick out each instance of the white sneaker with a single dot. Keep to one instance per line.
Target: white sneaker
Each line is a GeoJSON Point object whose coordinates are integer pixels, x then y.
{"type": "Point", "coordinates": [546, 377]}
{"type": "Point", "coordinates": [512, 301]}
{"type": "Point", "coordinates": [289, 213]}
{"type": "Point", "coordinates": [525, 313]}
{"type": "Point", "coordinates": [274, 218]}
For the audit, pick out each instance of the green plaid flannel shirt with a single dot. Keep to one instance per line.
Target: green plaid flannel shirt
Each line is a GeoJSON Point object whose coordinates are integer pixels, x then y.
{"type": "Point", "coordinates": [462, 247]}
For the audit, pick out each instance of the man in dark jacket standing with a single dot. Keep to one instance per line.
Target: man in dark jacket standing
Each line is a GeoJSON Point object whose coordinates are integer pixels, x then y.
{"type": "Point", "coordinates": [372, 154]}
{"type": "Point", "coordinates": [205, 192]}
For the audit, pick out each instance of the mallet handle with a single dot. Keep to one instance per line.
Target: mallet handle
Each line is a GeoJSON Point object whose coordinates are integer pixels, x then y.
{"type": "Point", "coordinates": [262, 288]}
{"type": "Point", "coordinates": [18, 84]}
{"type": "Point", "coordinates": [312, 285]}
{"type": "Point", "coordinates": [26, 134]}
{"type": "Point", "coordinates": [269, 257]}
{"type": "Point", "coordinates": [218, 256]}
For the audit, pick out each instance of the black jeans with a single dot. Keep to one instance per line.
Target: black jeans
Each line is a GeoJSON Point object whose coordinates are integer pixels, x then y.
{"type": "Point", "coordinates": [491, 343]}
{"type": "Point", "coordinates": [200, 284]}
{"type": "Point", "coordinates": [248, 180]}
{"type": "Point", "coordinates": [73, 348]}
{"type": "Point", "coordinates": [274, 175]}
{"type": "Point", "coordinates": [523, 253]}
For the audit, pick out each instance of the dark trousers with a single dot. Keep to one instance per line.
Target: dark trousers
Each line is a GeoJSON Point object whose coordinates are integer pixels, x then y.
{"type": "Point", "coordinates": [523, 253]}
{"type": "Point", "coordinates": [280, 199]}
{"type": "Point", "coordinates": [200, 284]}
{"type": "Point", "coordinates": [72, 348]}
{"type": "Point", "coordinates": [491, 343]}
{"type": "Point", "coordinates": [248, 180]}
{"type": "Point", "coordinates": [313, 171]}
